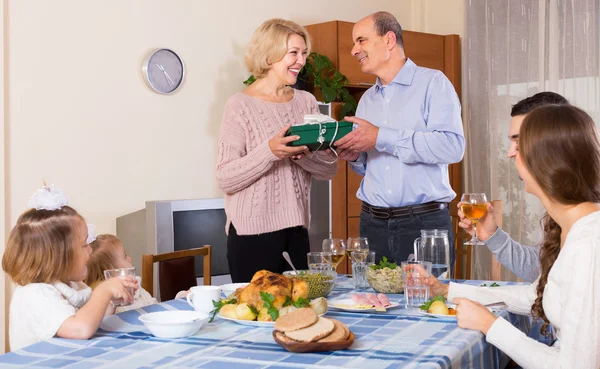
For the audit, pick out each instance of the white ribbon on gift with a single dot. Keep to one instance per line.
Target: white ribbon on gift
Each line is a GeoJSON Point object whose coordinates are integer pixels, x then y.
{"type": "Point", "coordinates": [320, 119]}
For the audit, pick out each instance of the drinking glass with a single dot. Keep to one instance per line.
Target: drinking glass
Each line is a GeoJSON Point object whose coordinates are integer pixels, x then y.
{"type": "Point", "coordinates": [121, 272]}
{"type": "Point", "coordinates": [356, 244]}
{"type": "Point", "coordinates": [337, 248]}
{"type": "Point", "coordinates": [319, 260]}
{"type": "Point", "coordinates": [474, 206]}
{"type": "Point", "coordinates": [416, 292]}
{"type": "Point", "coordinates": [361, 261]}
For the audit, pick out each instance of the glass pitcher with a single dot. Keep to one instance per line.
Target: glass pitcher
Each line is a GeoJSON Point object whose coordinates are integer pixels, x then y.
{"type": "Point", "coordinates": [433, 246]}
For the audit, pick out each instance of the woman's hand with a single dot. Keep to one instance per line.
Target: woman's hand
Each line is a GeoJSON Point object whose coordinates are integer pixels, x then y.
{"type": "Point", "coordinates": [486, 226]}
{"type": "Point", "coordinates": [436, 288]}
{"type": "Point", "coordinates": [279, 147]}
{"type": "Point", "coordinates": [473, 315]}
{"type": "Point", "coordinates": [117, 287]}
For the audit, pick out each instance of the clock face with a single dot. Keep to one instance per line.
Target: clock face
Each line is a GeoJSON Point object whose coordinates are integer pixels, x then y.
{"type": "Point", "coordinates": [164, 71]}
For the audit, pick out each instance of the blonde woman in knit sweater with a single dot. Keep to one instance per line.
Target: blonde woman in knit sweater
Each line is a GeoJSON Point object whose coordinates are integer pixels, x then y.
{"type": "Point", "coordinates": [558, 158]}
{"type": "Point", "coordinates": [266, 182]}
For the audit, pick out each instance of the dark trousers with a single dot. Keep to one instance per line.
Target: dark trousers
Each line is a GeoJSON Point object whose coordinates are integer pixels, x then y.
{"type": "Point", "coordinates": [247, 255]}
{"type": "Point", "coordinates": [394, 238]}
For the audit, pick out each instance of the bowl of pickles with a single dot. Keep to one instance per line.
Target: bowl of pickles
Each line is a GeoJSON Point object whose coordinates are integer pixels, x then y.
{"type": "Point", "coordinates": [320, 282]}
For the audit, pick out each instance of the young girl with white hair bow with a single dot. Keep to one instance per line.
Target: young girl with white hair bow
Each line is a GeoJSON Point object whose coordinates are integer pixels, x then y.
{"type": "Point", "coordinates": [46, 256]}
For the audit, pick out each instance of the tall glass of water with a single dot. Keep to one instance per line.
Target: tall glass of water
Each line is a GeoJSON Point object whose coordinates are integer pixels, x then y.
{"type": "Point", "coordinates": [319, 260]}
{"type": "Point", "coordinates": [416, 292]}
{"type": "Point", "coordinates": [120, 273]}
{"type": "Point", "coordinates": [361, 261]}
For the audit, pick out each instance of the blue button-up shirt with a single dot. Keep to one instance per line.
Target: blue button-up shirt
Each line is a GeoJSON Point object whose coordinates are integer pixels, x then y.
{"type": "Point", "coordinates": [420, 133]}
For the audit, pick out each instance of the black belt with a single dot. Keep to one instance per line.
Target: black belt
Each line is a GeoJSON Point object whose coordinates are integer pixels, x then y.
{"type": "Point", "coordinates": [388, 213]}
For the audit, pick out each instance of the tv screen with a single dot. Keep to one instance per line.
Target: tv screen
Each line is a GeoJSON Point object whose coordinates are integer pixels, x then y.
{"type": "Point", "coordinates": [196, 228]}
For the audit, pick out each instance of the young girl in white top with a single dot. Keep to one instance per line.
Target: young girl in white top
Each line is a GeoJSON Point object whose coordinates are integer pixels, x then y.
{"type": "Point", "coordinates": [46, 257]}
{"type": "Point", "coordinates": [108, 253]}
{"type": "Point", "coordinates": [558, 158]}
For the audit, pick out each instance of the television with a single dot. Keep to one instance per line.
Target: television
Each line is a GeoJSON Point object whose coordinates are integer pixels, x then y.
{"type": "Point", "coordinates": [173, 225]}
{"type": "Point", "coordinates": [167, 226]}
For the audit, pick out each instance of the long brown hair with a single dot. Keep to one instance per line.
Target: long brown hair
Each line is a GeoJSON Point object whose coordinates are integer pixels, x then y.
{"type": "Point", "coordinates": [559, 147]}
{"type": "Point", "coordinates": [102, 258]}
{"type": "Point", "coordinates": [41, 246]}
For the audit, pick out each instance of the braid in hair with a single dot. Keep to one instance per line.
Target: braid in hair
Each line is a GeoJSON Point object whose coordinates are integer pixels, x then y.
{"type": "Point", "coordinates": [548, 255]}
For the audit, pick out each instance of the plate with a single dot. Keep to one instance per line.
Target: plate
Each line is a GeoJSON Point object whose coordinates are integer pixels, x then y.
{"type": "Point", "coordinates": [441, 316]}
{"type": "Point", "coordinates": [448, 317]}
{"type": "Point", "coordinates": [301, 347]}
{"type": "Point", "coordinates": [252, 323]}
{"type": "Point", "coordinates": [347, 305]}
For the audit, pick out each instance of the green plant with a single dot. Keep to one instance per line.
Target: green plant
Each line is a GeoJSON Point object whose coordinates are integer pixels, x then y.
{"type": "Point", "coordinates": [329, 80]}
{"type": "Point", "coordinates": [384, 263]}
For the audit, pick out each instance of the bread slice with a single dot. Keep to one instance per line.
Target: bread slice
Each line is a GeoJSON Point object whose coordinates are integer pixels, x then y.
{"type": "Point", "coordinates": [320, 329]}
{"type": "Point", "coordinates": [281, 336]}
{"type": "Point", "coordinates": [340, 332]}
{"type": "Point", "coordinates": [296, 320]}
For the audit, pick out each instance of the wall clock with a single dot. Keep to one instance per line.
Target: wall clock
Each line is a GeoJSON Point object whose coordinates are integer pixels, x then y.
{"type": "Point", "coordinates": [163, 71]}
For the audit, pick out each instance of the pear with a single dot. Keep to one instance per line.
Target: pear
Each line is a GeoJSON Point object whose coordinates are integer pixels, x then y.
{"type": "Point", "coordinates": [438, 307]}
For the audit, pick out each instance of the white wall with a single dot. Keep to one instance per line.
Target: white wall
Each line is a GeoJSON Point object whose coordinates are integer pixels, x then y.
{"type": "Point", "coordinates": [79, 115]}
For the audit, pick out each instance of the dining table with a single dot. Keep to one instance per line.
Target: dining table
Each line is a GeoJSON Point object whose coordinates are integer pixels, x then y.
{"type": "Point", "coordinates": [396, 338]}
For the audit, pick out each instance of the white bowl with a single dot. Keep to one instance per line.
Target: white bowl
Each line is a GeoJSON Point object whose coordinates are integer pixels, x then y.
{"type": "Point", "coordinates": [173, 324]}
{"type": "Point", "coordinates": [230, 288]}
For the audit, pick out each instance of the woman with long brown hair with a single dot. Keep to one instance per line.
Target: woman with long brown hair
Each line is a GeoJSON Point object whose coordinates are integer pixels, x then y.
{"type": "Point", "coordinates": [559, 161]}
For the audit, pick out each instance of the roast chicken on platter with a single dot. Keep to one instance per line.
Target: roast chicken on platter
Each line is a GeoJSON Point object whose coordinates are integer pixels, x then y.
{"type": "Point", "coordinates": [277, 285]}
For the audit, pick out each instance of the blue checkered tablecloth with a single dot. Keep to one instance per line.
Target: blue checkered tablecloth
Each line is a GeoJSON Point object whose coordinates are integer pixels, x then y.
{"type": "Point", "coordinates": [395, 339]}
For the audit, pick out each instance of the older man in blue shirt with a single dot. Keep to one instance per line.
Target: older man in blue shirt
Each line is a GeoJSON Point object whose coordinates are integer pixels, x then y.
{"type": "Point", "coordinates": [408, 128]}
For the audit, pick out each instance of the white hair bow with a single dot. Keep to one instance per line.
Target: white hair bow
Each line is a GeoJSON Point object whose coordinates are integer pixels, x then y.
{"type": "Point", "coordinates": [48, 198]}
{"type": "Point", "coordinates": [91, 233]}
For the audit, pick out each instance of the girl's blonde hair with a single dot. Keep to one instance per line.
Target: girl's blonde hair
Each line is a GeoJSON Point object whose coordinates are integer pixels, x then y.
{"type": "Point", "coordinates": [102, 258]}
{"type": "Point", "coordinates": [41, 246]}
{"type": "Point", "coordinates": [268, 44]}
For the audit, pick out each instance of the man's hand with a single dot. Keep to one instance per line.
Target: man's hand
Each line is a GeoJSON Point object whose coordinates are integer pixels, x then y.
{"type": "Point", "coordinates": [361, 139]}
{"type": "Point", "coordinates": [348, 155]}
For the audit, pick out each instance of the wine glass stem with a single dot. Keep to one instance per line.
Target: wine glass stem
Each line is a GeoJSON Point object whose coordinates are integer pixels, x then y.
{"type": "Point", "coordinates": [474, 239]}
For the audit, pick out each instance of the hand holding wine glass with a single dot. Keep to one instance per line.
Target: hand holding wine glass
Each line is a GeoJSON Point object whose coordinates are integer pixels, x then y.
{"type": "Point", "coordinates": [474, 207]}
{"type": "Point", "coordinates": [487, 224]}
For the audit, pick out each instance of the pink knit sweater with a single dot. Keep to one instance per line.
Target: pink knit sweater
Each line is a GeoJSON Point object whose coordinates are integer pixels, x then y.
{"type": "Point", "coordinates": [262, 192]}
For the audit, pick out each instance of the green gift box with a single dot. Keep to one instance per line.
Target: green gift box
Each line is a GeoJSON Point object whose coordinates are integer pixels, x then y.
{"type": "Point", "coordinates": [310, 133]}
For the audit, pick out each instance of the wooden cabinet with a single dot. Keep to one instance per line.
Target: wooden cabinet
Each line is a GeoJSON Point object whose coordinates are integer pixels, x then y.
{"type": "Point", "coordinates": [334, 39]}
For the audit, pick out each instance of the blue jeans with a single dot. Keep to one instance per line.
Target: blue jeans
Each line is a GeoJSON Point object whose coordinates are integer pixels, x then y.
{"type": "Point", "coordinates": [394, 238]}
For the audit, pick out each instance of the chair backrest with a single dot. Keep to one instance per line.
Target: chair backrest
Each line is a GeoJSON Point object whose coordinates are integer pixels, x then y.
{"type": "Point", "coordinates": [464, 253]}
{"type": "Point", "coordinates": [177, 271]}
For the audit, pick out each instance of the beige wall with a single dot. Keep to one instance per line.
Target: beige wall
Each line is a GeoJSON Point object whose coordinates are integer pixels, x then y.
{"type": "Point", "coordinates": [77, 113]}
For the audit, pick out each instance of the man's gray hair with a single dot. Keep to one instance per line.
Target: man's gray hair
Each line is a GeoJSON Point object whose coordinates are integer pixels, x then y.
{"type": "Point", "coordinates": [386, 22]}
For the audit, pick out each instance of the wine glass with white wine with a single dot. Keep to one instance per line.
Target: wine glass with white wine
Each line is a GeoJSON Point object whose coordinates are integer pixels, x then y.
{"type": "Point", "coordinates": [356, 244]}
{"type": "Point", "coordinates": [337, 248]}
{"type": "Point", "coordinates": [474, 206]}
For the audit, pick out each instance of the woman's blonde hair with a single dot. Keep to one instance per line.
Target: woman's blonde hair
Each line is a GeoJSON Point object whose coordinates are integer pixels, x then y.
{"type": "Point", "coordinates": [41, 246]}
{"type": "Point", "coordinates": [268, 44]}
{"type": "Point", "coordinates": [102, 258]}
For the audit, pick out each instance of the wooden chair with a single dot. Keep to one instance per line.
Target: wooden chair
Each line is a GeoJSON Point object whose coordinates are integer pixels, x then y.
{"type": "Point", "coordinates": [176, 271]}
{"type": "Point", "coordinates": [464, 253]}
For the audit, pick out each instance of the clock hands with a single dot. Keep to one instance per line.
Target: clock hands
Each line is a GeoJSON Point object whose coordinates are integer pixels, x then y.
{"type": "Point", "coordinates": [169, 80]}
